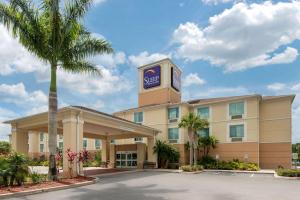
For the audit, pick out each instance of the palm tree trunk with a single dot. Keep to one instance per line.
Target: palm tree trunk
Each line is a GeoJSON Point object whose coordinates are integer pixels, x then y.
{"type": "Point", "coordinates": [195, 148]}
{"type": "Point", "coordinates": [191, 146]}
{"type": "Point", "coordinates": [52, 125]}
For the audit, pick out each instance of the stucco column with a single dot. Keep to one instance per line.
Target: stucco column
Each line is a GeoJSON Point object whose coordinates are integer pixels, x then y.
{"type": "Point", "coordinates": [141, 155]}
{"type": "Point", "coordinates": [105, 151]}
{"type": "Point", "coordinates": [72, 137]}
{"type": "Point", "coordinates": [33, 141]}
{"type": "Point", "coordinates": [112, 155]}
{"type": "Point", "coordinates": [19, 140]}
{"type": "Point", "coordinates": [151, 156]}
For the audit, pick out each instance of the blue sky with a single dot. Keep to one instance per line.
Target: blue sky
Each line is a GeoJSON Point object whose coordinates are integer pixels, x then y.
{"type": "Point", "coordinates": [224, 48]}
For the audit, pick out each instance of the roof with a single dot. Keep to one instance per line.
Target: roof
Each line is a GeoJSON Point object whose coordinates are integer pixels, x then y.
{"type": "Point", "coordinates": [212, 100]}
{"type": "Point", "coordinates": [82, 108]}
{"type": "Point", "coordinates": [159, 61]}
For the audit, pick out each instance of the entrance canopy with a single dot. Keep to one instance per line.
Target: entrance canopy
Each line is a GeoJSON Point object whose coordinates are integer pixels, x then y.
{"type": "Point", "coordinates": [95, 124]}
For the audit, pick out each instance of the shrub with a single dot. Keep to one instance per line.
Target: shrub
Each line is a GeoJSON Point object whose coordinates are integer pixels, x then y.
{"type": "Point", "coordinates": [166, 153]}
{"type": "Point", "coordinates": [193, 168]}
{"type": "Point", "coordinates": [210, 163]}
{"type": "Point", "coordinates": [288, 172]}
{"type": "Point", "coordinates": [37, 178]}
{"type": "Point", "coordinates": [5, 147]}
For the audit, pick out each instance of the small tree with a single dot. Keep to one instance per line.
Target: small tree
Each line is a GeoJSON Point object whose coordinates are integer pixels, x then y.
{"type": "Point", "coordinates": [5, 147]}
{"type": "Point", "coordinates": [207, 143]}
{"type": "Point", "coordinates": [193, 123]}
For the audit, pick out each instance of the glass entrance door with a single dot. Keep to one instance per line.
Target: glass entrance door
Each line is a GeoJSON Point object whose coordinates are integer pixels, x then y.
{"type": "Point", "coordinates": [126, 159]}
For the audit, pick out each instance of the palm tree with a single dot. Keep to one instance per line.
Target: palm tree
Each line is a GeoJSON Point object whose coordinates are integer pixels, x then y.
{"type": "Point", "coordinates": [193, 123]}
{"type": "Point", "coordinates": [57, 36]}
{"type": "Point", "coordinates": [206, 143]}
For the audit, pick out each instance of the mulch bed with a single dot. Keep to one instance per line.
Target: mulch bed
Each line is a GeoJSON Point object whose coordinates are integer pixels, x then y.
{"type": "Point", "coordinates": [44, 185]}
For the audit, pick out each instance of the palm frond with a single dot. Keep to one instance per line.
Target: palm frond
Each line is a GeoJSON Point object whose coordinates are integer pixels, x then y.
{"type": "Point", "coordinates": [81, 67]}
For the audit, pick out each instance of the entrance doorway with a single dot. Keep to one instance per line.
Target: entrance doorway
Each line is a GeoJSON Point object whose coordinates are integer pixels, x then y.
{"type": "Point", "coordinates": [126, 159]}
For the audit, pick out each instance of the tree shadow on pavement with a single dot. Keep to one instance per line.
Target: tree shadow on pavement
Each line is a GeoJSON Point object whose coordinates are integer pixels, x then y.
{"type": "Point", "coordinates": [124, 192]}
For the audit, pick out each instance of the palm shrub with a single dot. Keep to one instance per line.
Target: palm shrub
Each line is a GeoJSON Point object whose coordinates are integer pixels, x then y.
{"type": "Point", "coordinates": [207, 143]}
{"type": "Point", "coordinates": [193, 123]}
{"type": "Point", "coordinates": [18, 165]}
{"type": "Point", "coordinates": [166, 153]}
{"type": "Point", "coordinates": [4, 171]}
{"type": "Point", "coordinates": [53, 31]}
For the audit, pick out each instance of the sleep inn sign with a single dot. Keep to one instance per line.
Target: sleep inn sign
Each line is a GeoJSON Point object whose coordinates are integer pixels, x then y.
{"type": "Point", "coordinates": [152, 77]}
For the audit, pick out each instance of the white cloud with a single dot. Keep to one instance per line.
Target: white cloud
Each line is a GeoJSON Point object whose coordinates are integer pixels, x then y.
{"type": "Point", "coordinates": [5, 114]}
{"type": "Point", "coordinates": [14, 58]}
{"type": "Point", "coordinates": [98, 2]}
{"type": "Point", "coordinates": [276, 86]}
{"type": "Point", "coordinates": [109, 83]}
{"type": "Point", "coordinates": [193, 79]}
{"type": "Point", "coordinates": [17, 94]}
{"type": "Point", "coordinates": [244, 36]}
{"type": "Point", "coordinates": [145, 58]}
{"type": "Point", "coordinates": [110, 60]}
{"type": "Point", "coordinates": [211, 92]}
{"type": "Point", "coordinates": [216, 2]}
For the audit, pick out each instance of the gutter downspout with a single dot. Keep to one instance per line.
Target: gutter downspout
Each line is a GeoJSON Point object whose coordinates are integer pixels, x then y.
{"type": "Point", "coordinates": [77, 140]}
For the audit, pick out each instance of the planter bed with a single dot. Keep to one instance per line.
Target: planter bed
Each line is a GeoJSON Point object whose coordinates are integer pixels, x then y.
{"type": "Point", "coordinates": [27, 187]}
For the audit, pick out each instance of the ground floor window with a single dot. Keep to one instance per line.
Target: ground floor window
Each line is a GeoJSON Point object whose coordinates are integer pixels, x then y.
{"type": "Point", "coordinates": [84, 143]}
{"type": "Point", "coordinates": [97, 144]}
{"type": "Point", "coordinates": [237, 131]}
{"type": "Point", "coordinates": [203, 132]}
{"type": "Point", "coordinates": [125, 159]}
{"type": "Point", "coordinates": [173, 135]}
{"type": "Point", "coordinates": [42, 148]}
{"type": "Point", "coordinates": [60, 145]}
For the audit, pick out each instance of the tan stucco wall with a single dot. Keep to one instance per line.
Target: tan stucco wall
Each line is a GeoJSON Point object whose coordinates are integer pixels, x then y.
{"type": "Point", "coordinates": [275, 133]}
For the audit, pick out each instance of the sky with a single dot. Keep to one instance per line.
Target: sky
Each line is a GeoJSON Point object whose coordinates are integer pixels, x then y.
{"type": "Point", "coordinates": [224, 48]}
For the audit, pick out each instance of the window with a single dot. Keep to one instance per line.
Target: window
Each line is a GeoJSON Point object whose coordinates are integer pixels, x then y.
{"type": "Point", "coordinates": [60, 145]}
{"type": "Point", "coordinates": [236, 109]}
{"type": "Point", "coordinates": [237, 131]}
{"type": "Point", "coordinates": [173, 113]}
{"type": "Point", "coordinates": [113, 141]}
{"type": "Point", "coordinates": [84, 143]}
{"type": "Point", "coordinates": [41, 137]}
{"type": "Point", "coordinates": [97, 144]}
{"type": "Point", "coordinates": [138, 117]}
{"type": "Point", "coordinates": [203, 132]}
{"type": "Point", "coordinates": [203, 113]}
{"type": "Point", "coordinates": [60, 137]}
{"type": "Point", "coordinates": [41, 147]}
{"type": "Point", "coordinates": [138, 139]}
{"type": "Point", "coordinates": [173, 135]}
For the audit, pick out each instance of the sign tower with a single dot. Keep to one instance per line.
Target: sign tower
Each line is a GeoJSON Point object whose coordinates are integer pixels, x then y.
{"type": "Point", "coordinates": [159, 83]}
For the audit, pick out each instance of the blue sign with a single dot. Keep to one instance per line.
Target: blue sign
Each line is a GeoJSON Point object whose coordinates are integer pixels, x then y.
{"type": "Point", "coordinates": [152, 77]}
{"type": "Point", "coordinates": [176, 78]}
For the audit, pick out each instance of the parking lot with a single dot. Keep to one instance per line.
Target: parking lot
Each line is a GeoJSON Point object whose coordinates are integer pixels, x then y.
{"type": "Point", "coordinates": [161, 186]}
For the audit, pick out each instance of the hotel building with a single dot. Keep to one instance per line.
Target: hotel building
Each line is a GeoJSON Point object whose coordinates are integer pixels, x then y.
{"type": "Point", "coordinates": [252, 128]}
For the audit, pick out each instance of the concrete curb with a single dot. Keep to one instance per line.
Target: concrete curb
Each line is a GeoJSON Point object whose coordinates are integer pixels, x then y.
{"type": "Point", "coordinates": [240, 171]}
{"type": "Point", "coordinates": [37, 191]}
{"type": "Point", "coordinates": [163, 170]}
{"type": "Point", "coordinates": [115, 173]}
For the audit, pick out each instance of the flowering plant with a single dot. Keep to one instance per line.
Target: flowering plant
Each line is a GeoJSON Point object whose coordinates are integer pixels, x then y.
{"type": "Point", "coordinates": [84, 156]}
{"type": "Point", "coordinates": [71, 155]}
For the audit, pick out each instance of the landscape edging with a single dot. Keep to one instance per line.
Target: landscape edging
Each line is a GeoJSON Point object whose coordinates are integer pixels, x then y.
{"type": "Point", "coordinates": [50, 189]}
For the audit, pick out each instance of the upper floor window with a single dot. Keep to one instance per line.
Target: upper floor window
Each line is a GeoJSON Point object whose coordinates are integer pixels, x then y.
{"type": "Point", "coordinates": [138, 117]}
{"type": "Point", "coordinates": [113, 141]}
{"type": "Point", "coordinates": [173, 113]}
{"type": "Point", "coordinates": [84, 143]}
{"type": "Point", "coordinates": [41, 137]}
{"type": "Point", "coordinates": [173, 135]}
{"type": "Point", "coordinates": [203, 112]}
{"type": "Point", "coordinates": [236, 110]}
{"type": "Point", "coordinates": [236, 131]}
{"type": "Point", "coordinates": [97, 144]}
{"type": "Point", "coordinates": [203, 132]}
{"type": "Point", "coordinates": [41, 147]}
